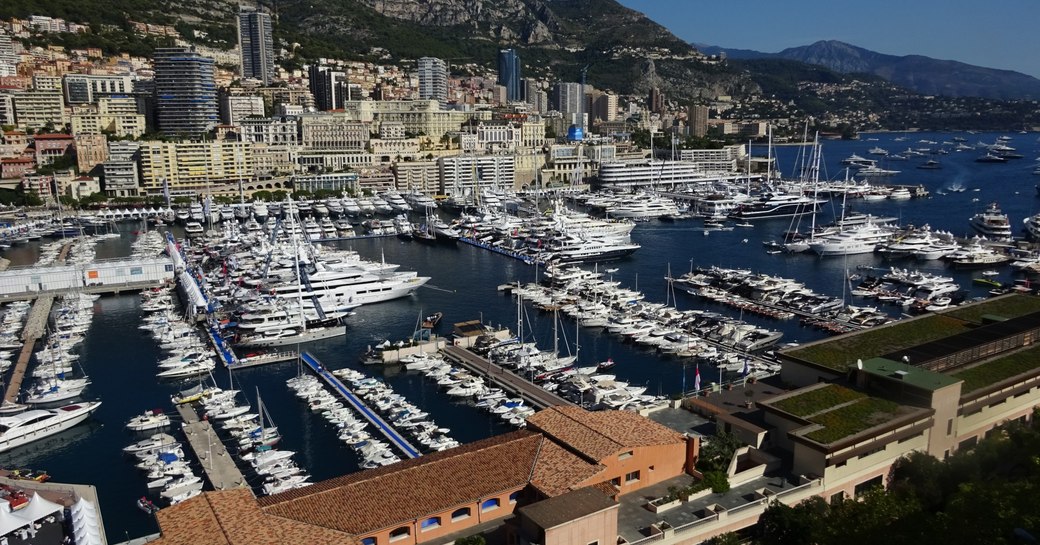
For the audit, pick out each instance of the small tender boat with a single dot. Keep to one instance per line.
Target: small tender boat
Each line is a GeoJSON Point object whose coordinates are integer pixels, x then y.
{"type": "Point", "coordinates": [432, 320]}
{"type": "Point", "coordinates": [146, 505]}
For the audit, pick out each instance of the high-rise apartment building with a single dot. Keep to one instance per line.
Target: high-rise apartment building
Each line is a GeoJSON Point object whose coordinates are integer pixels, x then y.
{"type": "Point", "coordinates": [185, 94]}
{"type": "Point", "coordinates": [509, 74]}
{"type": "Point", "coordinates": [568, 99]}
{"type": "Point", "coordinates": [699, 121]}
{"type": "Point", "coordinates": [329, 87]}
{"type": "Point", "coordinates": [8, 60]}
{"type": "Point", "coordinates": [256, 44]}
{"type": "Point", "coordinates": [433, 79]}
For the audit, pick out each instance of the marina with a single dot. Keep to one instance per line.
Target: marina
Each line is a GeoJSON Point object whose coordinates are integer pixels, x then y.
{"type": "Point", "coordinates": [504, 378]}
{"type": "Point", "coordinates": [466, 277]}
{"type": "Point", "coordinates": [217, 464]}
{"type": "Point", "coordinates": [388, 431]}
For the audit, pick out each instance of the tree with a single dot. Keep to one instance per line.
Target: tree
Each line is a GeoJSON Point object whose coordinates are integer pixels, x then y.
{"type": "Point", "coordinates": [784, 525]}
{"type": "Point", "coordinates": [475, 539]}
{"type": "Point", "coordinates": [716, 453]}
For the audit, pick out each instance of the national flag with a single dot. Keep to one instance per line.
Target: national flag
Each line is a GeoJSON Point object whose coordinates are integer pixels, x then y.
{"type": "Point", "coordinates": [697, 379]}
{"type": "Point", "coordinates": [744, 372]}
{"type": "Point", "coordinates": [166, 191]}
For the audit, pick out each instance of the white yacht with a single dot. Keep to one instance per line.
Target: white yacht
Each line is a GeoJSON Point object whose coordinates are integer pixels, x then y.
{"type": "Point", "coordinates": [381, 206]}
{"type": "Point", "coordinates": [1032, 226]}
{"type": "Point", "coordinates": [193, 229]}
{"type": "Point", "coordinates": [992, 223]}
{"type": "Point", "coordinates": [260, 211]}
{"type": "Point", "coordinates": [860, 240]}
{"type": "Point", "coordinates": [420, 200]}
{"type": "Point", "coordinates": [353, 285]}
{"type": "Point", "coordinates": [227, 213]}
{"type": "Point", "coordinates": [22, 428]}
{"type": "Point", "coordinates": [351, 207]}
{"type": "Point", "coordinates": [643, 208]}
{"type": "Point", "coordinates": [397, 202]}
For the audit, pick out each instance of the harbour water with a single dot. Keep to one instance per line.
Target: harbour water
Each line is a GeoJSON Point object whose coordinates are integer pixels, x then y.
{"type": "Point", "coordinates": [120, 359]}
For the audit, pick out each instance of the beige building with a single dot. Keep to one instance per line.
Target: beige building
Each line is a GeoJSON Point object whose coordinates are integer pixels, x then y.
{"type": "Point", "coordinates": [196, 166]}
{"type": "Point", "coordinates": [91, 151]}
{"type": "Point", "coordinates": [418, 117]}
{"type": "Point", "coordinates": [422, 176]}
{"type": "Point", "coordinates": [334, 131]}
{"type": "Point", "coordinates": [112, 115]}
{"type": "Point", "coordinates": [467, 174]}
{"type": "Point", "coordinates": [35, 109]}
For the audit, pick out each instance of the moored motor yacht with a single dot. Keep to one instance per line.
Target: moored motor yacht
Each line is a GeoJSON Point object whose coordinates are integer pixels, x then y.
{"type": "Point", "coordinates": [29, 426]}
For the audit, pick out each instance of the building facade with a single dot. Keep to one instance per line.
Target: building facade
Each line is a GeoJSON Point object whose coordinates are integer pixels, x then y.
{"type": "Point", "coordinates": [256, 44]}
{"type": "Point", "coordinates": [433, 79]}
{"type": "Point", "coordinates": [509, 74]}
{"type": "Point", "coordinates": [185, 92]}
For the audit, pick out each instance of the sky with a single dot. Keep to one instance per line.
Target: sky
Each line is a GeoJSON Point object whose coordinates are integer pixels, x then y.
{"type": "Point", "coordinates": [1002, 35]}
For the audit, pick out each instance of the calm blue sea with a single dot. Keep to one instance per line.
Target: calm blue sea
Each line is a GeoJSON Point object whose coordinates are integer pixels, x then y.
{"type": "Point", "coordinates": [120, 359]}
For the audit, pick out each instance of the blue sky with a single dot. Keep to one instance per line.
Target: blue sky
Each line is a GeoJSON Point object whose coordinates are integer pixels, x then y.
{"type": "Point", "coordinates": [1002, 35]}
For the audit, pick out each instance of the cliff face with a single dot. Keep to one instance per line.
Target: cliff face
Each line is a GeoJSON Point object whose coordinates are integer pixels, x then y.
{"type": "Point", "coordinates": [556, 39]}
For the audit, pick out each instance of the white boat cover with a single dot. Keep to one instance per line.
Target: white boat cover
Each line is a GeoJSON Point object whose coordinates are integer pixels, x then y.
{"type": "Point", "coordinates": [8, 521]}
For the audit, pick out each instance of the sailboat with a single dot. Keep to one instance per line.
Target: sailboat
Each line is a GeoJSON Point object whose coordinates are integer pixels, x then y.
{"type": "Point", "coordinates": [265, 435]}
{"type": "Point", "coordinates": [802, 244]}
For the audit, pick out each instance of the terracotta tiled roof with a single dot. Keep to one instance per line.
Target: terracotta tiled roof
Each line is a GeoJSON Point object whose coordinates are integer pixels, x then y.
{"type": "Point", "coordinates": [382, 498]}
{"type": "Point", "coordinates": [597, 435]}
{"type": "Point", "coordinates": [558, 471]}
{"type": "Point", "coordinates": [232, 517]}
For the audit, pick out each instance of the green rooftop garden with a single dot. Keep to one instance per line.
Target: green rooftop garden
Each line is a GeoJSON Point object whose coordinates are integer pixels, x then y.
{"type": "Point", "coordinates": [996, 370]}
{"type": "Point", "coordinates": [851, 419]}
{"type": "Point", "coordinates": [1011, 306]}
{"type": "Point", "coordinates": [839, 353]}
{"type": "Point", "coordinates": [817, 400]}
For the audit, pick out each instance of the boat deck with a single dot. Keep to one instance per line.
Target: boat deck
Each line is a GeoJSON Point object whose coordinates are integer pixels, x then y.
{"type": "Point", "coordinates": [501, 251]}
{"type": "Point", "coordinates": [504, 378]}
{"type": "Point", "coordinates": [386, 429]}
{"type": "Point", "coordinates": [218, 465]}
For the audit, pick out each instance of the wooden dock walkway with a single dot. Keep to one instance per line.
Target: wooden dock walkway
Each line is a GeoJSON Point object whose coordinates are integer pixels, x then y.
{"type": "Point", "coordinates": [386, 429]}
{"type": "Point", "coordinates": [504, 378]}
{"type": "Point", "coordinates": [220, 469]}
{"type": "Point", "coordinates": [35, 326]}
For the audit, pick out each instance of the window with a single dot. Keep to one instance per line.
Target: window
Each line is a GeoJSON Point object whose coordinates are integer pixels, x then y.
{"type": "Point", "coordinates": [368, 541]}
{"type": "Point", "coordinates": [594, 543]}
{"type": "Point", "coordinates": [625, 455]}
{"type": "Point", "coordinates": [460, 514]}
{"type": "Point", "coordinates": [513, 497]}
{"type": "Point", "coordinates": [400, 533]}
{"type": "Point", "coordinates": [949, 427]}
{"type": "Point", "coordinates": [631, 477]}
{"type": "Point", "coordinates": [616, 481]}
{"type": "Point", "coordinates": [430, 524]}
{"type": "Point", "coordinates": [651, 469]}
{"type": "Point", "coordinates": [488, 505]}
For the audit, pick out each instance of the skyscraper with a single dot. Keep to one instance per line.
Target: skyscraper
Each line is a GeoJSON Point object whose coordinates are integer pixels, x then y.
{"type": "Point", "coordinates": [509, 74]}
{"type": "Point", "coordinates": [256, 43]}
{"type": "Point", "coordinates": [433, 79]}
{"type": "Point", "coordinates": [185, 94]}
{"type": "Point", "coordinates": [568, 99]}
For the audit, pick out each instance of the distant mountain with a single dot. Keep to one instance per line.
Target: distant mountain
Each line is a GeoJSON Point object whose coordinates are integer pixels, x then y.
{"type": "Point", "coordinates": [922, 74]}
{"type": "Point", "coordinates": [732, 53]}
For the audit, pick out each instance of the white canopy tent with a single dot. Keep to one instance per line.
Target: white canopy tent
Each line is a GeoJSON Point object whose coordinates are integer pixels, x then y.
{"type": "Point", "coordinates": [85, 527]}
{"type": "Point", "coordinates": [38, 508]}
{"type": "Point", "coordinates": [8, 521]}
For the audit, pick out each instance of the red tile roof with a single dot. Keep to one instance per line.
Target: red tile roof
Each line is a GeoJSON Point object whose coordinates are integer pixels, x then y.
{"type": "Point", "coordinates": [597, 435]}
{"type": "Point", "coordinates": [232, 517]}
{"type": "Point", "coordinates": [558, 471]}
{"type": "Point", "coordinates": [394, 495]}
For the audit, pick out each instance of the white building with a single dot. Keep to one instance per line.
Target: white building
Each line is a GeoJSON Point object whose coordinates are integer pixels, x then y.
{"type": "Point", "coordinates": [462, 174]}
